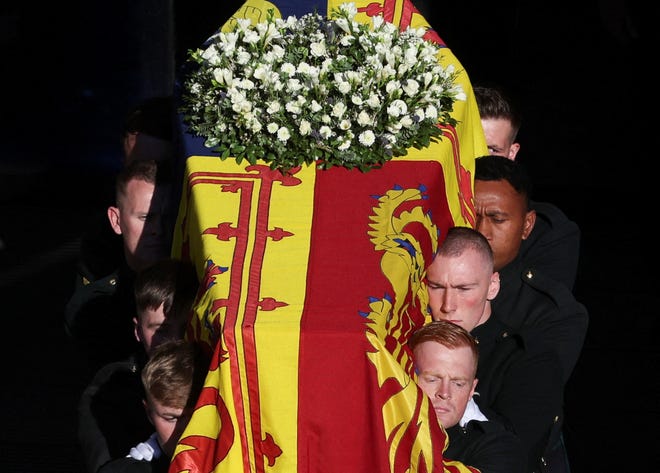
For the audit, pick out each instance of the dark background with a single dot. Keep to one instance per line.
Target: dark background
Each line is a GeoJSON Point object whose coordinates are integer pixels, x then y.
{"type": "Point", "coordinates": [580, 71]}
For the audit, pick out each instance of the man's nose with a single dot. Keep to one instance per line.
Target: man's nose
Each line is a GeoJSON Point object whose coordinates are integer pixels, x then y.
{"type": "Point", "coordinates": [448, 301]}
{"type": "Point", "coordinates": [443, 391]}
{"type": "Point", "coordinates": [480, 225]}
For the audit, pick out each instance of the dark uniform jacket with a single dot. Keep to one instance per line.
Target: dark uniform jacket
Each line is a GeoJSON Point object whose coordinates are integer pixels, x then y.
{"type": "Point", "coordinates": [98, 318]}
{"type": "Point", "coordinates": [111, 414]}
{"type": "Point", "coordinates": [532, 301]}
{"type": "Point", "coordinates": [487, 446]}
{"type": "Point", "coordinates": [553, 246]}
{"type": "Point", "coordinates": [519, 386]}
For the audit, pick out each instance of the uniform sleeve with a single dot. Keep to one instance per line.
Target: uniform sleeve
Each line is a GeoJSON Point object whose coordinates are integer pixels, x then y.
{"type": "Point", "coordinates": [528, 399]}
{"type": "Point", "coordinates": [554, 244]}
{"type": "Point", "coordinates": [492, 449]}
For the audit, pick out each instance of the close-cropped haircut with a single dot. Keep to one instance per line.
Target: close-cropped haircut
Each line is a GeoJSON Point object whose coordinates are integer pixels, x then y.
{"type": "Point", "coordinates": [174, 374]}
{"type": "Point", "coordinates": [494, 103]}
{"type": "Point", "coordinates": [148, 170]}
{"type": "Point", "coordinates": [459, 239]}
{"type": "Point", "coordinates": [170, 282]}
{"type": "Point", "coordinates": [447, 334]}
{"type": "Point", "coordinates": [499, 168]}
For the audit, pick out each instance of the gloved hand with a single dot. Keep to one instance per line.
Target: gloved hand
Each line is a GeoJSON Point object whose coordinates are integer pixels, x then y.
{"type": "Point", "coordinates": [147, 450]}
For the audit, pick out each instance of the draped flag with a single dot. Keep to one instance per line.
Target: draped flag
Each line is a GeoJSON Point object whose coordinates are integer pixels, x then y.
{"type": "Point", "coordinates": [311, 284]}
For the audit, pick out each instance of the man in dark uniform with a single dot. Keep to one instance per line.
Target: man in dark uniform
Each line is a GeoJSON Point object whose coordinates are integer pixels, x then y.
{"type": "Point", "coordinates": [99, 314]}
{"type": "Point", "coordinates": [519, 373]}
{"type": "Point", "coordinates": [528, 297]}
{"type": "Point", "coordinates": [446, 358]}
{"type": "Point", "coordinates": [553, 245]}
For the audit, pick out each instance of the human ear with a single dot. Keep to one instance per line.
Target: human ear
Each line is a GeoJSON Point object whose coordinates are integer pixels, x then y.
{"type": "Point", "coordinates": [528, 224]}
{"type": "Point", "coordinates": [113, 217]}
{"type": "Point", "coordinates": [136, 330]}
{"type": "Point", "coordinates": [513, 151]}
{"type": "Point", "coordinates": [474, 386]}
{"type": "Point", "coordinates": [493, 286]}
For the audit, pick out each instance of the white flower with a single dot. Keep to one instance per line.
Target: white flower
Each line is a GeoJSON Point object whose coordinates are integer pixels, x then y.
{"type": "Point", "coordinates": [315, 106]}
{"type": "Point", "coordinates": [223, 76]}
{"type": "Point", "coordinates": [283, 134]}
{"type": "Point", "coordinates": [272, 127]}
{"type": "Point", "coordinates": [243, 57]}
{"type": "Point", "coordinates": [367, 138]}
{"type": "Point", "coordinates": [363, 118]}
{"type": "Point", "coordinates": [411, 87]}
{"type": "Point", "coordinates": [211, 55]}
{"type": "Point", "coordinates": [325, 132]}
{"type": "Point", "coordinates": [317, 49]}
{"type": "Point", "coordinates": [294, 85]}
{"type": "Point", "coordinates": [361, 92]}
{"type": "Point", "coordinates": [251, 37]}
{"type": "Point", "coordinates": [338, 109]}
{"type": "Point", "coordinates": [397, 107]}
{"type": "Point", "coordinates": [273, 107]}
{"type": "Point", "coordinates": [304, 68]}
{"type": "Point", "coordinates": [344, 144]}
{"type": "Point", "coordinates": [288, 68]}
{"type": "Point", "coordinates": [343, 87]}
{"type": "Point", "coordinates": [305, 127]}
{"type": "Point", "coordinates": [293, 107]}
{"type": "Point", "coordinates": [406, 121]}
{"type": "Point", "coordinates": [373, 101]}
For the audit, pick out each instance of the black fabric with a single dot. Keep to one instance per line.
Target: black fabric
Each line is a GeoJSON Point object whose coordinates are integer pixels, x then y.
{"type": "Point", "coordinates": [519, 385]}
{"type": "Point", "coordinates": [98, 319]}
{"type": "Point", "coordinates": [111, 414]}
{"type": "Point", "coordinates": [487, 446]}
{"type": "Point", "coordinates": [530, 300]}
{"type": "Point", "coordinates": [553, 246]}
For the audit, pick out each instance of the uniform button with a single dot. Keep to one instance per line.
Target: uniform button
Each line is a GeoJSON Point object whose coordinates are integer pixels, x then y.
{"type": "Point", "coordinates": [113, 282]}
{"type": "Point", "coordinates": [529, 274]}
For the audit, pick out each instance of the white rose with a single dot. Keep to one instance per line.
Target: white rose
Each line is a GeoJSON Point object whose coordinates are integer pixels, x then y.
{"type": "Point", "coordinates": [338, 109]}
{"type": "Point", "coordinates": [293, 107]}
{"type": "Point", "coordinates": [363, 118]}
{"type": "Point", "coordinates": [397, 108]}
{"type": "Point", "coordinates": [305, 127]}
{"type": "Point", "coordinates": [317, 49]}
{"type": "Point", "coordinates": [411, 87]}
{"type": "Point", "coordinates": [315, 106]}
{"type": "Point", "coordinates": [273, 107]}
{"type": "Point", "coordinates": [373, 101]}
{"type": "Point", "coordinates": [272, 127]}
{"type": "Point", "coordinates": [325, 132]}
{"type": "Point", "coordinates": [344, 87]}
{"type": "Point", "coordinates": [367, 138]}
{"type": "Point", "coordinates": [283, 134]}
{"type": "Point", "coordinates": [288, 68]}
{"type": "Point", "coordinates": [406, 121]}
